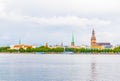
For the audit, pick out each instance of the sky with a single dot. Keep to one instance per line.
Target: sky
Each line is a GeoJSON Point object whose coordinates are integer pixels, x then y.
{"type": "Point", "coordinates": [38, 21]}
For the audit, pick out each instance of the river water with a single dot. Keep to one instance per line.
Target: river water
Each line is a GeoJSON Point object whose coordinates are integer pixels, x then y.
{"type": "Point", "coordinates": [59, 67]}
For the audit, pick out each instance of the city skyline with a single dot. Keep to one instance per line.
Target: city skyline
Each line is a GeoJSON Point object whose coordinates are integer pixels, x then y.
{"type": "Point", "coordinates": [53, 21]}
{"type": "Point", "coordinates": [73, 43]}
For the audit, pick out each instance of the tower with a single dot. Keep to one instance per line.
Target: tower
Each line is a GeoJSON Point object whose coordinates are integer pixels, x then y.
{"type": "Point", "coordinates": [62, 45]}
{"type": "Point", "coordinates": [93, 38]}
{"type": "Point", "coordinates": [72, 43]}
{"type": "Point", "coordinates": [46, 45]}
{"type": "Point", "coordinates": [19, 41]}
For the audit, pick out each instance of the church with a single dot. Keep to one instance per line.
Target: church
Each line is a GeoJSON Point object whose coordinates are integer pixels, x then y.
{"type": "Point", "coordinates": [101, 45]}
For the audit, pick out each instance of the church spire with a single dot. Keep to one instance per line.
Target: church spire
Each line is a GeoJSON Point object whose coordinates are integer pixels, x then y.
{"type": "Point", "coordinates": [73, 42]}
{"type": "Point", "coordinates": [72, 37]}
{"type": "Point", "coordinates": [93, 33]}
{"type": "Point", "coordinates": [19, 41]}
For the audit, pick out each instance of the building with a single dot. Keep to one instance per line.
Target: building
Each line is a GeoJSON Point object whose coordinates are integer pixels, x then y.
{"type": "Point", "coordinates": [101, 45]}
{"type": "Point", "coordinates": [106, 45]}
{"type": "Point", "coordinates": [21, 46]}
{"type": "Point", "coordinates": [56, 46]}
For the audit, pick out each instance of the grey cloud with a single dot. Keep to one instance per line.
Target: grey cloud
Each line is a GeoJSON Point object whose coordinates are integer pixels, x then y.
{"type": "Point", "coordinates": [38, 21]}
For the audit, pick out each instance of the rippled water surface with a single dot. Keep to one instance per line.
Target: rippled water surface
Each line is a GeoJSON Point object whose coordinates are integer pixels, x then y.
{"type": "Point", "coordinates": [56, 67]}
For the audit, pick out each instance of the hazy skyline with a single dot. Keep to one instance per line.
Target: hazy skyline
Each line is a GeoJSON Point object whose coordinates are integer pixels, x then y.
{"type": "Point", "coordinates": [53, 21]}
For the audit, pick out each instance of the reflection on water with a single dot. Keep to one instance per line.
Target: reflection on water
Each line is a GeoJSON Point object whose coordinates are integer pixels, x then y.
{"type": "Point", "coordinates": [30, 67]}
{"type": "Point", "coordinates": [93, 71]}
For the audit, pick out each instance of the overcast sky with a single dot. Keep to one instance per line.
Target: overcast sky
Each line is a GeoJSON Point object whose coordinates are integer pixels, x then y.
{"type": "Point", "coordinates": [53, 21]}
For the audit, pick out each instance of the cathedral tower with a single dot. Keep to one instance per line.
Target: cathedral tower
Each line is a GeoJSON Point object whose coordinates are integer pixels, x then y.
{"type": "Point", "coordinates": [93, 38]}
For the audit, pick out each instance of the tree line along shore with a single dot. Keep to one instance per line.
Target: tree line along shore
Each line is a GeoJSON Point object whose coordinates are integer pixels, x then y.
{"type": "Point", "coordinates": [44, 49]}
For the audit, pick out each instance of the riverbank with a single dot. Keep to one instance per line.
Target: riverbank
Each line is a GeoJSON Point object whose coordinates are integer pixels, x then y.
{"type": "Point", "coordinates": [60, 50]}
{"type": "Point", "coordinates": [62, 53]}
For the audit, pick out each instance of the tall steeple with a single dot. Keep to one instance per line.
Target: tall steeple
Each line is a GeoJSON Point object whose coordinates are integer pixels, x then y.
{"type": "Point", "coordinates": [93, 38]}
{"type": "Point", "coordinates": [93, 33]}
{"type": "Point", "coordinates": [73, 42]}
{"type": "Point", "coordinates": [19, 41]}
